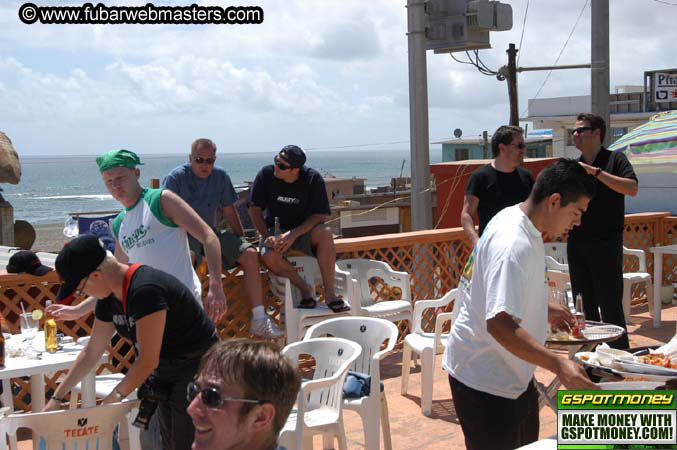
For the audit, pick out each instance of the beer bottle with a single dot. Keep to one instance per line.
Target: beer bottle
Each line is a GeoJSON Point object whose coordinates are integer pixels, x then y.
{"type": "Point", "coordinates": [50, 331]}
{"type": "Point", "coordinates": [278, 230]}
{"type": "Point", "coordinates": [2, 350]}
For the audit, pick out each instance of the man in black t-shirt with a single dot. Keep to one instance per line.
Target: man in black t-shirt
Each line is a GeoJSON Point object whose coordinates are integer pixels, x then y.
{"type": "Point", "coordinates": [595, 248]}
{"type": "Point", "coordinates": [297, 196]}
{"type": "Point", "coordinates": [169, 329]}
{"type": "Point", "coordinates": [497, 185]}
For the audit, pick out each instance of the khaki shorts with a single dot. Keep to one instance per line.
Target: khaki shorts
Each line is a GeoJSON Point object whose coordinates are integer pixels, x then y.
{"type": "Point", "coordinates": [302, 244]}
{"type": "Point", "coordinates": [232, 246]}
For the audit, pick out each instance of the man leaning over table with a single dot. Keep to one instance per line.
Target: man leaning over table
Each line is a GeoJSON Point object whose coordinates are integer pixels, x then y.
{"type": "Point", "coordinates": [152, 309]}
{"type": "Point", "coordinates": [498, 338]}
{"type": "Point", "coordinates": [152, 230]}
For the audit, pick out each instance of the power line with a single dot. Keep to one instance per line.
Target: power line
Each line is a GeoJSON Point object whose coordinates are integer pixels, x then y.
{"type": "Point", "coordinates": [547, 77]}
{"type": "Point", "coordinates": [524, 22]}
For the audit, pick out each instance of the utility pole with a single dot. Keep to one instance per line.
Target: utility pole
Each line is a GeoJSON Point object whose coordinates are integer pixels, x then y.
{"type": "Point", "coordinates": [599, 72]}
{"type": "Point", "coordinates": [512, 84]}
{"type": "Point", "coordinates": [421, 199]}
{"type": "Point", "coordinates": [485, 145]}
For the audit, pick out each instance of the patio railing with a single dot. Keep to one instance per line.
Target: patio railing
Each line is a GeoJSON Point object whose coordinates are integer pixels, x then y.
{"type": "Point", "coordinates": [434, 258]}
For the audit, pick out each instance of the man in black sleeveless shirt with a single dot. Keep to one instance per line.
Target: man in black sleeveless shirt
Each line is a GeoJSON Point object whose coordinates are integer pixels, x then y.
{"type": "Point", "coordinates": [169, 329]}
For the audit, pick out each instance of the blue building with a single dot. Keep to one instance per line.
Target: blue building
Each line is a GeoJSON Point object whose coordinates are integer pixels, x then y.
{"type": "Point", "coordinates": [539, 146]}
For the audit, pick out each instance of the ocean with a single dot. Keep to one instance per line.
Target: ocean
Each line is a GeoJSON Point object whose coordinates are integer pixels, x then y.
{"type": "Point", "coordinates": [53, 187]}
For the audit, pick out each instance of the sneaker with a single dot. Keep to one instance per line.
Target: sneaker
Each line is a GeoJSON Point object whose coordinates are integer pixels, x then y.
{"type": "Point", "coordinates": [265, 328]}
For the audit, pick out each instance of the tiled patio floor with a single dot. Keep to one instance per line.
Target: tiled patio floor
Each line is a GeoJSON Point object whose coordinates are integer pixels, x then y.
{"type": "Point", "coordinates": [411, 430]}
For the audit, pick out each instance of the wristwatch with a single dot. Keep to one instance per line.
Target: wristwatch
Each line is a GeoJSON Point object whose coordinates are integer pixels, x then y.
{"type": "Point", "coordinates": [60, 400]}
{"type": "Point", "coordinates": [599, 170]}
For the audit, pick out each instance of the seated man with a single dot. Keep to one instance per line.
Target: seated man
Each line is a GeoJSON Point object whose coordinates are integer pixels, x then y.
{"type": "Point", "coordinates": [296, 196]}
{"type": "Point", "coordinates": [242, 396]}
{"type": "Point", "coordinates": [208, 190]}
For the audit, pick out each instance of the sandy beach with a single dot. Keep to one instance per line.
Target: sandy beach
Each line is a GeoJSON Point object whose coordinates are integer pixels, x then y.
{"type": "Point", "coordinates": [49, 238]}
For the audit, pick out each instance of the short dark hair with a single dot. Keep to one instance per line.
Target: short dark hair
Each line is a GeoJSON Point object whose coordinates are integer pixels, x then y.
{"type": "Point", "coordinates": [567, 178]}
{"type": "Point", "coordinates": [260, 370]}
{"type": "Point", "coordinates": [202, 142]}
{"type": "Point", "coordinates": [595, 121]}
{"type": "Point", "coordinates": [504, 135]}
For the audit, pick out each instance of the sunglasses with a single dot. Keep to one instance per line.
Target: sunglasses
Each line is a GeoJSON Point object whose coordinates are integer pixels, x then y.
{"type": "Point", "coordinates": [580, 130]}
{"type": "Point", "coordinates": [521, 145]}
{"type": "Point", "coordinates": [212, 398]}
{"type": "Point", "coordinates": [208, 161]}
{"type": "Point", "coordinates": [79, 290]}
{"type": "Point", "coordinates": [280, 165]}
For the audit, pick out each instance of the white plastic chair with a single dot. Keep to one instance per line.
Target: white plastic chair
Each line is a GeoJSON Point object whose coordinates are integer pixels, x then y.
{"type": "Point", "coordinates": [72, 428]}
{"type": "Point", "coordinates": [557, 251]}
{"type": "Point", "coordinates": [559, 282]}
{"type": "Point", "coordinates": [427, 345]}
{"type": "Point", "coordinates": [105, 384]}
{"type": "Point", "coordinates": [362, 270]}
{"type": "Point", "coordinates": [298, 319]}
{"type": "Point", "coordinates": [370, 333]}
{"type": "Point", "coordinates": [642, 276]}
{"type": "Point", "coordinates": [319, 404]}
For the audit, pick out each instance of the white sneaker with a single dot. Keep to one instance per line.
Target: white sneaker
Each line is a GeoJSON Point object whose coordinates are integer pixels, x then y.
{"type": "Point", "coordinates": [265, 328]}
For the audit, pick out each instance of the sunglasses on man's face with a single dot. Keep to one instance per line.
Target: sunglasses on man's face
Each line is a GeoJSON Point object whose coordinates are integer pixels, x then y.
{"type": "Point", "coordinates": [280, 165]}
{"type": "Point", "coordinates": [208, 161]}
{"type": "Point", "coordinates": [212, 398]}
{"type": "Point", "coordinates": [580, 130]}
{"type": "Point", "coordinates": [521, 145]}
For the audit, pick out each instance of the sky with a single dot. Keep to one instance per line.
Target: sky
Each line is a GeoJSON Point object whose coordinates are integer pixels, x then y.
{"type": "Point", "coordinates": [322, 74]}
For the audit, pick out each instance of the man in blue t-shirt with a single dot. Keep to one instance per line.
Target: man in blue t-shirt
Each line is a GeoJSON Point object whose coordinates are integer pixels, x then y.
{"type": "Point", "coordinates": [296, 195]}
{"type": "Point", "coordinates": [209, 191]}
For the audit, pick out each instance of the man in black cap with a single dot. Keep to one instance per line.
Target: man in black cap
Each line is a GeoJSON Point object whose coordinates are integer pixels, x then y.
{"type": "Point", "coordinates": [296, 195]}
{"type": "Point", "coordinates": [26, 261]}
{"type": "Point", "coordinates": [138, 301]}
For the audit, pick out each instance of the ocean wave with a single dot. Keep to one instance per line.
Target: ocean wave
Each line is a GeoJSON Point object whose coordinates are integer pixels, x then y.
{"type": "Point", "coordinates": [70, 197]}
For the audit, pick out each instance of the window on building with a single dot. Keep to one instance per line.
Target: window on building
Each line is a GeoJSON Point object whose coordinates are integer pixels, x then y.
{"type": "Point", "coordinates": [569, 136]}
{"type": "Point", "coordinates": [616, 133]}
{"type": "Point", "coordinates": [461, 154]}
{"type": "Point", "coordinates": [536, 151]}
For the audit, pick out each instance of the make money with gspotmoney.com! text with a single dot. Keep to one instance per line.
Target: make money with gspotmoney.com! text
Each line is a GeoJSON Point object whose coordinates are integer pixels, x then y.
{"type": "Point", "coordinates": [88, 13]}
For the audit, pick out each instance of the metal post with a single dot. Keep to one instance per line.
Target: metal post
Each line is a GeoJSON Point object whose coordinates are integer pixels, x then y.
{"type": "Point", "coordinates": [421, 203]}
{"type": "Point", "coordinates": [512, 84]}
{"type": "Point", "coordinates": [599, 73]}
{"type": "Point", "coordinates": [485, 145]}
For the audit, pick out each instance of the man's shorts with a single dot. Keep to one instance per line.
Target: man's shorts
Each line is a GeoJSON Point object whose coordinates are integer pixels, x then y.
{"type": "Point", "coordinates": [232, 246]}
{"type": "Point", "coordinates": [303, 244]}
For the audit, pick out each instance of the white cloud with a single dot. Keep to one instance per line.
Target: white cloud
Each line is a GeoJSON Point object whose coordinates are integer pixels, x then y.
{"type": "Point", "coordinates": [328, 72]}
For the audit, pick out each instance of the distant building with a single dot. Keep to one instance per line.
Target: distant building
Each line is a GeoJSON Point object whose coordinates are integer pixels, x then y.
{"type": "Point", "coordinates": [471, 149]}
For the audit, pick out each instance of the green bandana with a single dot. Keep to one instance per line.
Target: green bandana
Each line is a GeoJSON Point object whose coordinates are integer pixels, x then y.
{"type": "Point", "coordinates": [118, 158]}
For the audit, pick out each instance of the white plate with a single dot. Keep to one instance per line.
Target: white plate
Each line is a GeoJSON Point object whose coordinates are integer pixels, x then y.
{"type": "Point", "coordinates": [641, 368]}
{"type": "Point", "coordinates": [596, 332]}
{"type": "Point", "coordinates": [645, 376]}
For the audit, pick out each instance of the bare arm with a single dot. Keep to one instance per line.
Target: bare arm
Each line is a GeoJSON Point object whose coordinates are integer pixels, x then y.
{"type": "Point", "coordinates": [179, 212]}
{"type": "Point", "coordinates": [625, 186]}
{"type": "Point", "coordinates": [230, 213]}
{"type": "Point", "coordinates": [86, 361]}
{"type": "Point", "coordinates": [149, 331]}
{"type": "Point", "coordinates": [256, 215]}
{"type": "Point", "coordinates": [469, 216]}
{"type": "Point", "coordinates": [520, 343]}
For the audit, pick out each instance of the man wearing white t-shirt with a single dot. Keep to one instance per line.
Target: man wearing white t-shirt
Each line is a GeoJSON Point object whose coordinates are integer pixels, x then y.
{"type": "Point", "coordinates": [498, 338]}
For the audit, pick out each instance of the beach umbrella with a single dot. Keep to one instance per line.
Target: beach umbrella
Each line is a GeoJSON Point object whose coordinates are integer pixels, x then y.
{"type": "Point", "coordinates": [652, 146]}
{"type": "Point", "coordinates": [10, 167]}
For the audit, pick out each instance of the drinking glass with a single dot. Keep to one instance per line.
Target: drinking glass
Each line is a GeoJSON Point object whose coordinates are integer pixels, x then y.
{"type": "Point", "coordinates": [29, 326]}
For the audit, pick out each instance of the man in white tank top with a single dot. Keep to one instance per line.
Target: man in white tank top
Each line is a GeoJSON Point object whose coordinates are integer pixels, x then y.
{"type": "Point", "coordinates": [152, 230]}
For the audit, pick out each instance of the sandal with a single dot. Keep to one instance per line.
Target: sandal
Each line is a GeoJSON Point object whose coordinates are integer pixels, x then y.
{"type": "Point", "coordinates": [307, 303]}
{"type": "Point", "coordinates": [337, 305]}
